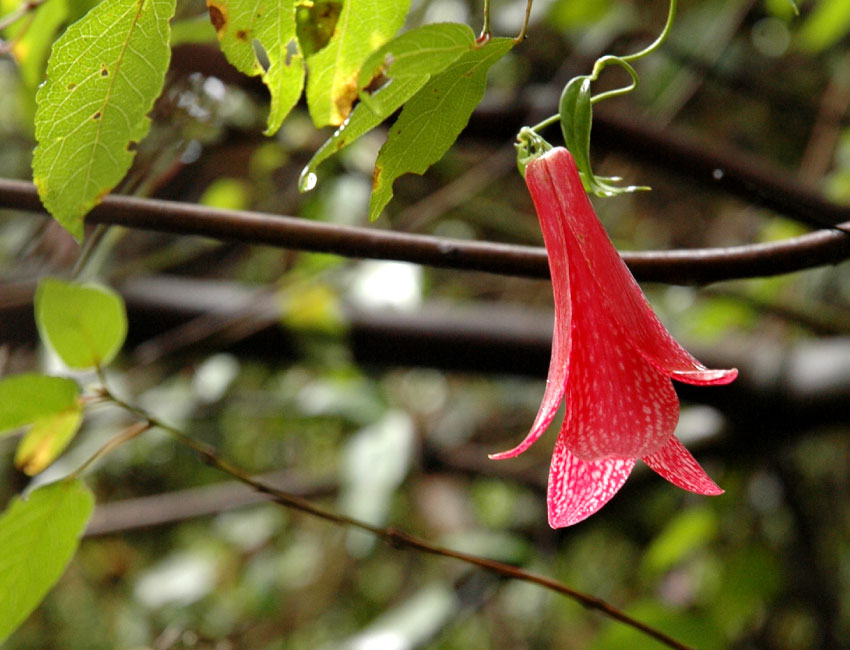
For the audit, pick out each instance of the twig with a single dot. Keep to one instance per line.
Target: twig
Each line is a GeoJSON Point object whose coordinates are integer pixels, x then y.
{"type": "Point", "coordinates": [692, 266]}
{"type": "Point", "coordinates": [392, 536]}
{"type": "Point", "coordinates": [14, 16]}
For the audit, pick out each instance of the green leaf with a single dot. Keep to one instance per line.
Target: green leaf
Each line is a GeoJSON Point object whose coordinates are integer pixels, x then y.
{"type": "Point", "coordinates": [418, 54]}
{"type": "Point", "coordinates": [687, 531]}
{"type": "Point", "coordinates": [28, 397]}
{"type": "Point", "coordinates": [85, 324]}
{"type": "Point", "coordinates": [362, 27]}
{"type": "Point", "coordinates": [39, 536]}
{"type": "Point", "coordinates": [259, 38]}
{"type": "Point", "coordinates": [103, 76]}
{"type": "Point", "coordinates": [47, 439]}
{"type": "Point", "coordinates": [828, 22]}
{"type": "Point", "coordinates": [31, 47]}
{"type": "Point", "coordinates": [431, 121]}
{"type": "Point", "coordinates": [408, 62]}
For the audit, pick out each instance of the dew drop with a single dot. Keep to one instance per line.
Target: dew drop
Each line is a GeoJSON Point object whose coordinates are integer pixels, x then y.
{"type": "Point", "coordinates": [307, 181]}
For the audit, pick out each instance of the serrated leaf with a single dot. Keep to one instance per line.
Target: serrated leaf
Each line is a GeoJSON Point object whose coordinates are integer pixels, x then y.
{"type": "Point", "coordinates": [259, 38]}
{"type": "Point", "coordinates": [84, 324]}
{"type": "Point", "coordinates": [39, 536]}
{"type": "Point", "coordinates": [408, 62]}
{"type": "Point", "coordinates": [103, 76]}
{"type": "Point", "coordinates": [431, 121]}
{"type": "Point", "coordinates": [419, 53]}
{"type": "Point", "coordinates": [362, 27]}
{"type": "Point", "coordinates": [28, 397]}
{"type": "Point", "coordinates": [47, 439]}
{"type": "Point", "coordinates": [32, 37]}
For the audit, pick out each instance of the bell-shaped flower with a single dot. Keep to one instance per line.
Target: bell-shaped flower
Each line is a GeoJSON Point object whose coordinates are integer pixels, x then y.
{"type": "Point", "coordinates": [612, 360]}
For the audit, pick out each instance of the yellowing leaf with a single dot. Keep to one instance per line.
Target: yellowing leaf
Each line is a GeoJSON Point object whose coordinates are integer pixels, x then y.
{"type": "Point", "coordinates": [259, 38]}
{"type": "Point", "coordinates": [362, 27]}
{"type": "Point", "coordinates": [432, 119]}
{"type": "Point", "coordinates": [47, 439]}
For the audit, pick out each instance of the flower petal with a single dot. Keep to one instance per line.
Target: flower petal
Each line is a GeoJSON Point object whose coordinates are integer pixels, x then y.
{"type": "Point", "coordinates": [545, 197]}
{"type": "Point", "coordinates": [617, 287]}
{"type": "Point", "coordinates": [578, 488]}
{"type": "Point", "coordinates": [619, 404]}
{"type": "Point", "coordinates": [677, 465]}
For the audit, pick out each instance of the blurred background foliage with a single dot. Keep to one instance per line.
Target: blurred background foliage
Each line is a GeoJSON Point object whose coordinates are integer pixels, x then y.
{"type": "Point", "coordinates": [262, 353]}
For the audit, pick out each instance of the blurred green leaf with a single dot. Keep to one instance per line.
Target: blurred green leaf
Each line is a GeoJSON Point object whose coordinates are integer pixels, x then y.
{"type": "Point", "coordinates": [362, 27]}
{"type": "Point", "coordinates": [227, 193]}
{"type": "Point", "coordinates": [192, 30]}
{"type": "Point", "coordinates": [103, 76]}
{"type": "Point", "coordinates": [28, 397]}
{"type": "Point", "coordinates": [690, 629]}
{"type": "Point", "coordinates": [47, 439]}
{"type": "Point", "coordinates": [689, 530]}
{"type": "Point", "coordinates": [568, 14]}
{"type": "Point", "coordinates": [312, 307]}
{"type": "Point", "coordinates": [408, 62]}
{"type": "Point", "coordinates": [828, 22]}
{"type": "Point", "coordinates": [85, 325]}
{"type": "Point", "coordinates": [39, 536]}
{"type": "Point", "coordinates": [259, 38]}
{"type": "Point", "coordinates": [32, 37]}
{"type": "Point", "coordinates": [431, 121]}
{"type": "Point", "coordinates": [752, 576]}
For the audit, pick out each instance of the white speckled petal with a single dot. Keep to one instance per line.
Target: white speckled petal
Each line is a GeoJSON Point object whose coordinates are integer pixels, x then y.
{"type": "Point", "coordinates": [677, 465]}
{"type": "Point", "coordinates": [578, 488]}
{"type": "Point", "coordinates": [620, 404]}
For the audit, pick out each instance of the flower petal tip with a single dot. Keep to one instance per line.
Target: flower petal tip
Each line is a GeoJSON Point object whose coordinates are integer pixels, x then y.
{"type": "Point", "coordinates": [706, 377]}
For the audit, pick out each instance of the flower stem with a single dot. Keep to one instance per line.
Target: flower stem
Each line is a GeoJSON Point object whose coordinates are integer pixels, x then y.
{"type": "Point", "coordinates": [485, 28]}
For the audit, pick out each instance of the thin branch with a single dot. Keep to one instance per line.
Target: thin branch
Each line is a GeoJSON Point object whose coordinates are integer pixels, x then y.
{"type": "Point", "coordinates": [14, 16]}
{"type": "Point", "coordinates": [392, 536]}
{"type": "Point", "coordinates": [692, 266]}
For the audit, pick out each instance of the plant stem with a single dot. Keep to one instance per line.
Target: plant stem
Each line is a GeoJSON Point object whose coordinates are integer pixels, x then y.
{"type": "Point", "coordinates": [649, 49]}
{"type": "Point", "coordinates": [524, 30]}
{"type": "Point", "coordinates": [485, 28]}
{"type": "Point", "coordinates": [392, 536]}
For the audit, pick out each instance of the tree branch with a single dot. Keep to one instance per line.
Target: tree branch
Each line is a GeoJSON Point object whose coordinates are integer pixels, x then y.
{"type": "Point", "coordinates": [694, 266]}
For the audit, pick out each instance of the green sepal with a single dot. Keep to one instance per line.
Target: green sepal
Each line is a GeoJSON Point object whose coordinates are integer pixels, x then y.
{"type": "Point", "coordinates": [529, 145]}
{"type": "Point", "coordinates": [576, 112]}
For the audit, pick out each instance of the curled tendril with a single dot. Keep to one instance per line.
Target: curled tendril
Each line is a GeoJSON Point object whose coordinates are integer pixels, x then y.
{"type": "Point", "coordinates": [575, 114]}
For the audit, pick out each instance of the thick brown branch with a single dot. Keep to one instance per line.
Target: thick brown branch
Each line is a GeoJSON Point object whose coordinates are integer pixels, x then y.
{"type": "Point", "coordinates": [696, 266]}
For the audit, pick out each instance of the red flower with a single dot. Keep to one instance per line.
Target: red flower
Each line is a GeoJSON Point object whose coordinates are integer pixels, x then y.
{"type": "Point", "coordinates": [611, 357]}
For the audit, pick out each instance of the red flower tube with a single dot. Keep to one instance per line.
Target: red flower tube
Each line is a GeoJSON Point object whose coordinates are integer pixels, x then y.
{"type": "Point", "coordinates": [612, 360]}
